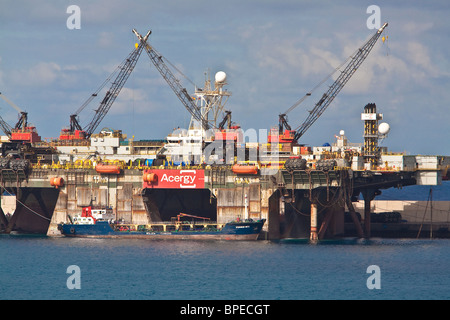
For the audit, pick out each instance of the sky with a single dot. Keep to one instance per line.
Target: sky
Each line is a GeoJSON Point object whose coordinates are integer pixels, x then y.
{"type": "Point", "coordinates": [273, 53]}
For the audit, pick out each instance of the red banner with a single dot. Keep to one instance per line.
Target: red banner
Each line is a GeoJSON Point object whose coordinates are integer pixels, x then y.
{"type": "Point", "coordinates": [174, 179]}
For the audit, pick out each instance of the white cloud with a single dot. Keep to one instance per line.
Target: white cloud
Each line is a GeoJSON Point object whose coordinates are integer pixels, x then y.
{"type": "Point", "coordinates": [407, 65]}
{"type": "Point", "coordinates": [287, 56]}
{"type": "Point", "coordinates": [107, 11]}
{"type": "Point", "coordinates": [48, 74]}
{"type": "Point", "coordinates": [415, 29]}
{"type": "Point", "coordinates": [420, 58]}
{"type": "Point", "coordinates": [41, 74]}
{"type": "Point", "coordinates": [106, 39]}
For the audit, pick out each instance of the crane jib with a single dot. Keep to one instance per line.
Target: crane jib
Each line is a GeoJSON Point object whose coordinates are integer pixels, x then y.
{"type": "Point", "coordinates": [126, 69]}
{"type": "Point", "coordinates": [172, 81]}
{"type": "Point", "coordinates": [336, 87]}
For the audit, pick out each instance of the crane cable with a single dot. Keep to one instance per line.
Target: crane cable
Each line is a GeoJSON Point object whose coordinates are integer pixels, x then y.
{"type": "Point", "coordinates": [295, 105]}
{"type": "Point", "coordinates": [23, 204]}
{"type": "Point", "coordinates": [308, 94]}
{"type": "Point", "coordinates": [170, 63]}
{"type": "Point", "coordinates": [173, 66]}
{"type": "Point", "coordinates": [98, 90]}
{"type": "Point", "coordinates": [104, 83]}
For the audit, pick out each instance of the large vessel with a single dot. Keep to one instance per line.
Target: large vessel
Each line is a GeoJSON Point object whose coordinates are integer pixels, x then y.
{"type": "Point", "coordinates": [213, 168]}
{"type": "Point", "coordinates": [91, 225]}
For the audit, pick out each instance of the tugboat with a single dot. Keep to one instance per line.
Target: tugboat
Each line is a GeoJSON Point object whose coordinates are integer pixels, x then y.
{"type": "Point", "coordinates": [101, 225]}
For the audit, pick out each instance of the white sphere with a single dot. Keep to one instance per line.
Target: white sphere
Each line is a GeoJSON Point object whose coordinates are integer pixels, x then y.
{"type": "Point", "coordinates": [221, 76]}
{"type": "Point", "coordinates": [384, 128]}
{"type": "Point", "coordinates": [342, 133]}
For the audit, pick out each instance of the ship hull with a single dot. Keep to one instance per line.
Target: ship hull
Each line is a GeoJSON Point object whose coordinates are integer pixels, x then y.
{"type": "Point", "coordinates": [173, 236]}
{"type": "Point", "coordinates": [231, 231]}
{"type": "Point", "coordinates": [33, 212]}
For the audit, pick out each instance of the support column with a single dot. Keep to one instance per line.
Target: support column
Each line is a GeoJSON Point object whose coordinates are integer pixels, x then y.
{"type": "Point", "coordinates": [356, 221]}
{"type": "Point", "coordinates": [326, 221]}
{"type": "Point", "coordinates": [313, 236]}
{"type": "Point", "coordinates": [367, 217]}
{"type": "Point", "coordinates": [246, 216]}
{"type": "Point", "coordinates": [348, 192]}
{"type": "Point", "coordinates": [3, 220]}
{"type": "Point", "coordinates": [368, 196]}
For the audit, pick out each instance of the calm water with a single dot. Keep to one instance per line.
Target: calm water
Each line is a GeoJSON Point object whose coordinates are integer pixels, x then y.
{"type": "Point", "coordinates": [35, 268]}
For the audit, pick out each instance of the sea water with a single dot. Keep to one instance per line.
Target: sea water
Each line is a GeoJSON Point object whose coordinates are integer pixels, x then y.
{"type": "Point", "coordinates": [42, 268]}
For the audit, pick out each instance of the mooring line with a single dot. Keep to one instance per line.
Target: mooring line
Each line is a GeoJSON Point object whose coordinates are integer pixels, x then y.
{"type": "Point", "coordinates": [24, 205]}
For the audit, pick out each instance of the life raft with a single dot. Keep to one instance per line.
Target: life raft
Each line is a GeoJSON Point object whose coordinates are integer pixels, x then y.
{"type": "Point", "coordinates": [245, 169]}
{"type": "Point", "coordinates": [107, 168]}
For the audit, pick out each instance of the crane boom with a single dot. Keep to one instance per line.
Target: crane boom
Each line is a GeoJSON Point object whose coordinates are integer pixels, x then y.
{"type": "Point", "coordinates": [225, 120]}
{"type": "Point", "coordinates": [336, 87]}
{"type": "Point", "coordinates": [172, 81]}
{"type": "Point", "coordinates": [22, 123]}
{"type": "Point", "coordinates": [6, 128]}
{"type": "Point", "coordinates": [10, 103]}
{"type": "Point", "coordinates": [125, 70]}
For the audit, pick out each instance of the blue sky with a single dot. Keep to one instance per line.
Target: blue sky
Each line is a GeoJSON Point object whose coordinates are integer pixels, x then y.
{"type": "Point", "coordinates": [272, 51]}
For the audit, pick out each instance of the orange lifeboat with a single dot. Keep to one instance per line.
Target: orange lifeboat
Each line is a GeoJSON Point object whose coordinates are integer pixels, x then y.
{"type": "Point", "coordinates": [150, 177]}
{"type": "Point", "coordinates": [245, 169]}
{"type": "Point", "coordinates": [57, 182]}
{"type": "Point", "coordinates": [107, 168]}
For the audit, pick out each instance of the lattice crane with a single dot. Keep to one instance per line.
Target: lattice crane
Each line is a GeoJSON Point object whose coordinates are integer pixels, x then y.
{"type": "Point", "coordinates": [6, 127]}
{"type": "Point", "coordinates": [181, 92]}
{"type": "Point", "coordinates": [326, 99]}
{"type": "Point", "coordinates": [124, 71]}
{"type": "Point", "coordinates": [21, 124]}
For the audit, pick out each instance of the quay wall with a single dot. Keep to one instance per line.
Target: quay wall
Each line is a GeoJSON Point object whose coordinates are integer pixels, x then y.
{"type": "Point", "coordinates": [411, 211]}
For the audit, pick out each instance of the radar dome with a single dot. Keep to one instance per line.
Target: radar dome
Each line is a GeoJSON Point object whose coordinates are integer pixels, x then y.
{"type": "Point", "coordinates": [221, 76]}
{"type": "Point", "coordinates": [384, 128]}
{"type": "Point", "coordinates": [342, 133]}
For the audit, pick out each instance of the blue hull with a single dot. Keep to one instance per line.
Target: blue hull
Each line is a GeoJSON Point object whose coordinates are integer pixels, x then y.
{"type": "Point", "coordinates": [103, 229]}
